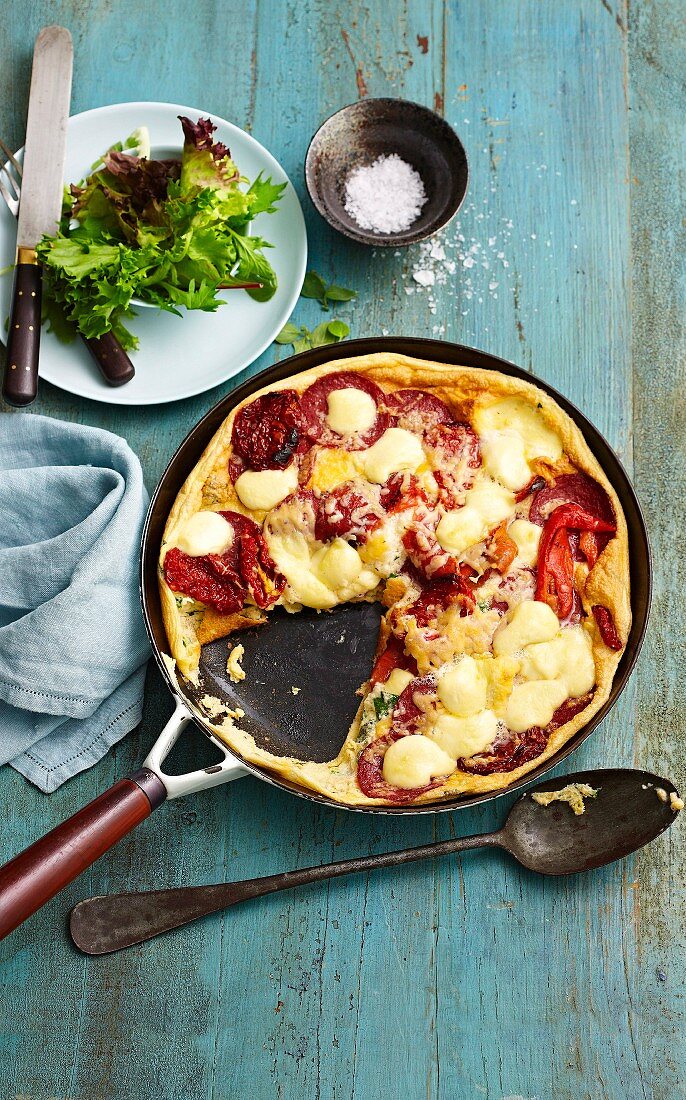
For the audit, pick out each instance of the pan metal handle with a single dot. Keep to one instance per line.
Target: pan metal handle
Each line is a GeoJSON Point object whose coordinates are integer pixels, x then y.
{"type": "Point", "coordinates": [179, 785]}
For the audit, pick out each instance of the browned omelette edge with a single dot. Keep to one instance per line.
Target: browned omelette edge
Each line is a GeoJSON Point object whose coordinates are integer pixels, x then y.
{"type": "Point", "coordinates": [209, 486]}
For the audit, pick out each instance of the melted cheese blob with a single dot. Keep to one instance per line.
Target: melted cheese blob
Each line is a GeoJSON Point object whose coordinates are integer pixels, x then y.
{"type": "Point", "coordinates": [530, 621]}
{"type": "Point", "coordinates": [517, 416]}
{"type": "Point", "coordinates": [568, 658]}
{"type": "Point", "coordinates": [486, 505]}
{"type": "Point", "coordinates": [339, 566]}
{"type": "Point", "coordinates": [397, 681]}
{"type": "Point", "coordinates": [526, 537]}
{"type": "Point", "coordinates": [533, 704]}
{"type": "Point", "coordinates": [260, 490]}
{"type": "Point", "coordinates": [205, 533]}
{"type": "Point", "coordinates": [462, 687]}
{"type": "Point", "coordinates": [396, 450]}
{"type": "Point", "coordinates": [413, 761]}
{"type": "Point", "coordinates": [464, 736]}
{"type": "Point", "coordinates": [504, 456]}
{"type": "Point", "coordinates": [350, 411]}
{"type": "Point", "coordinates": [291, 553]}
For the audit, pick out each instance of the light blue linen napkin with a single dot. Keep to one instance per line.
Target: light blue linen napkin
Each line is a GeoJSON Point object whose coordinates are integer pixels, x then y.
{"type": "Point", "coordinates": [72, 641]}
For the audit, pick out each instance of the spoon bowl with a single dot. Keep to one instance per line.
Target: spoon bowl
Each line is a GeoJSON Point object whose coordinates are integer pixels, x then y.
{"type": "Point", "coordinates": [626, 815]}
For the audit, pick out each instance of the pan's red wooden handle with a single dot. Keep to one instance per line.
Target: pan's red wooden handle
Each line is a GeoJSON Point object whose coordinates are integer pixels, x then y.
{"type": "Point", "coordinates": [36, 875]}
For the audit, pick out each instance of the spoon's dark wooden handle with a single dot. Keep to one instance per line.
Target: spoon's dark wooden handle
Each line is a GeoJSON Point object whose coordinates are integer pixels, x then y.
{"type": "Point", "coordinates": [115, 365]}
{"type": "Point", "coordinates": [109, 923]}
{"type": "Point", "coordinates": [20, 384]}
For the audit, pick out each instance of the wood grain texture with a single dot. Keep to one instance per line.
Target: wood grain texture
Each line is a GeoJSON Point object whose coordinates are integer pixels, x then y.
{"type": "Point", "coordinates": [471, 978]}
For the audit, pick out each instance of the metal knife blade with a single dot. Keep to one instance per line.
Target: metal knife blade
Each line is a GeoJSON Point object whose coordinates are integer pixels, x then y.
{"type": "Point", "coordinates": [40, 205]}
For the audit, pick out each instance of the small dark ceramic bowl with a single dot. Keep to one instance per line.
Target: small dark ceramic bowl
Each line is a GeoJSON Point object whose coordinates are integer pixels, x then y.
{"type": "Point", "coordinates": [358, 134]}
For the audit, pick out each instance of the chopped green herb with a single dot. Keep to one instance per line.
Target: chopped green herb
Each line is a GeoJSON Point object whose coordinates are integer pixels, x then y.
{"type": "Point", "coordinates": [384, 703]}
{"type": "Point", "coordinates": [483, 605]}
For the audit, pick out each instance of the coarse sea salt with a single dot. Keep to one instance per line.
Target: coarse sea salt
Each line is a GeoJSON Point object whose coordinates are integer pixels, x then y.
{"type": "Point", "coordinates": [386, 196]}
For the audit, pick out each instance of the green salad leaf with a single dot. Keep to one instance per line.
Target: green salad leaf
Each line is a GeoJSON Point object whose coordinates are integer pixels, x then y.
{"type": "Point", "coordinates": [167, 232]}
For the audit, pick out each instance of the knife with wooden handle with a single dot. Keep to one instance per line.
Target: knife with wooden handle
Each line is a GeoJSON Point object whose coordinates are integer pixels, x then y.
{"type": "Point", "coordinates": [40, 205]}
{"type": "Point", "coordinates": [40, 208]}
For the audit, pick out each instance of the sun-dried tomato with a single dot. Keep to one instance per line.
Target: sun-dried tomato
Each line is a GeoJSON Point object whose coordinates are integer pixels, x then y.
{"type": "Point", "coordinates": [501, 549]}
{"type": "Point", "coordinates": [607, 628]}
{"type": "Point", "coordinates": [266, 432]}
{"type": "Point", "coordinates": [520, 748]}
{"type": "Point", "coordinates": [223, 581]}
{"type": "Point", "coordinates": [195, 577]}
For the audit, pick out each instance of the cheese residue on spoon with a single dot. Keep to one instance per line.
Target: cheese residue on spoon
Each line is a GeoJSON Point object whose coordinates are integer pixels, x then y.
{"type": "Point", "coordinates": [573, 793]}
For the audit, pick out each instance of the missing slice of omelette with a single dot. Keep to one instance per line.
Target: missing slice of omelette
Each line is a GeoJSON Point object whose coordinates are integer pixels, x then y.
{"type": "Point", "coordinates": [468, 504]}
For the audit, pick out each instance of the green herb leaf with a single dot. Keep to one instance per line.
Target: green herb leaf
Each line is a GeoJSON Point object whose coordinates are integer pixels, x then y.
{"type": "Point", "coordinates": [288, 334]}
{"type": "Point", "coordinates": [328, 332]}
{"type": "Point", "coordinates": [338, 329]}
{"type": "Point", "coordinates": [340, 294]}
{"type": "Point", "coordinates": [313, 287]}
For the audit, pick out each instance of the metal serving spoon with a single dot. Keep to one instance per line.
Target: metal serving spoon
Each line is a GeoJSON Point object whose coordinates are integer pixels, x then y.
{"type": "Point", "coordinates": [626, 814]}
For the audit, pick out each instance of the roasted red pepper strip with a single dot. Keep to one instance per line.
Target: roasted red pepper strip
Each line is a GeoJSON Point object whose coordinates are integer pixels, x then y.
{"type": "Point", "coordinates": [393, 656]}
{"type": "Point", "coordinates": [502, 550]}
{"type": "Point", "coordinates": [607, 628]}
{"type": "Point", "coordinates": [588, 544]}
{"type": "Point", "coordinates": [555, 582]}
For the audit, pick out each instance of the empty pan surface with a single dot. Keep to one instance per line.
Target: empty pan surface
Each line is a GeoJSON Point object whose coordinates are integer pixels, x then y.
{"type": "Point", "coordinates": [303, 670]}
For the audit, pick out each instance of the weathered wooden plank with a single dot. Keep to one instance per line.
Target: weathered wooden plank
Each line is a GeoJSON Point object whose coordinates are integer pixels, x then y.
{"type": "Point", "coordinates": [658, 178]}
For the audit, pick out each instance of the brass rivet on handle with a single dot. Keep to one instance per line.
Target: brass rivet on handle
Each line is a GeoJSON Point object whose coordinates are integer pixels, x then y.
{"type": "Point", "coordinates": [14, 366]}
{"type": "Point", "coordinates": [30, 328]}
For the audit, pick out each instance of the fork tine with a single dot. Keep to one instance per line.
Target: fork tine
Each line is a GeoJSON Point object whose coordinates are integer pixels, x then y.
{"type": "Point", "coordinates": [11, 157]}
{"type": "Point", "coordinates": [10, 186]}
{"type": "Point", "coordinates": [11, 202]}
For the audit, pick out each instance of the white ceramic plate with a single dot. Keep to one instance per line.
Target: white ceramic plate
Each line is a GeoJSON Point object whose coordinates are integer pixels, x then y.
{"type": "Point", "coordinates": [178, 356]}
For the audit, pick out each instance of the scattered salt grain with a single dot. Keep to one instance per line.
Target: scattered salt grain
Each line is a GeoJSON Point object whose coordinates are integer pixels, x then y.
{"type": "Point", "coordinates": [386, 196]}
{"type": "Point", "coordinates": [424, 277]}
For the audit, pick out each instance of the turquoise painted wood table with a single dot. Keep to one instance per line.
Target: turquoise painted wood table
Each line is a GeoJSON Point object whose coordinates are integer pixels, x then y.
{"type": "Point", "coordinates": [468, 978]}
